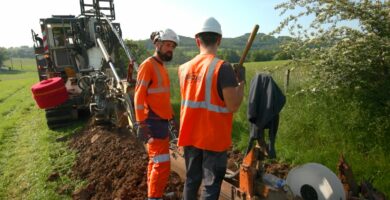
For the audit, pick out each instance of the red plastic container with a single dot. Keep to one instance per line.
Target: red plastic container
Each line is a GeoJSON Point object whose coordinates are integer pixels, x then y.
{"type": "Point", "coordinates": [50, 93]}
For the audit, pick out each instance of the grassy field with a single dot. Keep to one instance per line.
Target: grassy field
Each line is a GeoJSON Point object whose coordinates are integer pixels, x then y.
{"type": "Point", "coordinates": [310, 131]}
{"type": "Point", "coordinates": [24, 64]}
{"type": "Point", "coordinates": [29, 152]}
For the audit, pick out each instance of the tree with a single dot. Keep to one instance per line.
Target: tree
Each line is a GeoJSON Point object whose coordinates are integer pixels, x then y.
{"type": "Point", "coordinates": [229, 55]}
{"type": "Point", "coordinates": [21, 52]}
{"type": "Point", "coordinates": [261, 55]}
{"type": "Point", "coordinates": [137, 50]}
{"type": "Point", "coordinates": [3, 55]}
{"type": "Point", "coordinates": [341, 56]}
{"type": "Point", "coordinates": [281, 56]}
{"type": "Point", "coordinates": [179, 57]}
{"type": "Point", "coordinates": [346, 60]}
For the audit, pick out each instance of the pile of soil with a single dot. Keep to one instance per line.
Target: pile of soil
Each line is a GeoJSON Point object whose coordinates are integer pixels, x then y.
{"type": "Point", "coordinates": [277, 168]}
{"type": "Point", "coordinates": [114, 165]}
{"type": "Point", "coordinates": [235, 158]}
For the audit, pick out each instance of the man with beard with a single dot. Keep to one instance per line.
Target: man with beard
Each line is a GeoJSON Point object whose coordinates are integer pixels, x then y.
{"type": "Point", "coordinates": [154, 111]}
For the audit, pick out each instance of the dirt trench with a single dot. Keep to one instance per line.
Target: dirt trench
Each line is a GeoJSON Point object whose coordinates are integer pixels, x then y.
{"type": "Point", "coordinates": [114, 164]}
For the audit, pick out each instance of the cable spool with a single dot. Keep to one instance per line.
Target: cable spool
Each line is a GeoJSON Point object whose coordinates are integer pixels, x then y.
{"type": "Point", "coordinates": [50, 93]}
{"type": "Point", "coordinates": [313, 181]}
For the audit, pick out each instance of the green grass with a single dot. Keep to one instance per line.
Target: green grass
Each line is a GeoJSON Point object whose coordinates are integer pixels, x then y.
{"type": "Point", "coordinates": [24, 64]}
{"type": "Point", "coordinates": [317, 128]}
{"type": "Point", "coordinates": [29, 152]}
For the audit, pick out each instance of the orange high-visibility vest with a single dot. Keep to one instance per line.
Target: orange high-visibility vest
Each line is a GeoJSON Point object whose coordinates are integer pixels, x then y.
{"type": "Point", "coordinates": [152, 91]}
{"type": "Point", "coordinates": [205, 121]}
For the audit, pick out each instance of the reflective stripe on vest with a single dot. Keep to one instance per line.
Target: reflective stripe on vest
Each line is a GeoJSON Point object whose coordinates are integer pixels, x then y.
{"type": "Point", "coordinates": [139, 107]}
{"type": "Point", "coordinates": [207, 103]}
{"type": "Point", "coordinates": [161, 158]}
{"type": "Point", "coordinates": [159, 88]}
{"type": "Point", "coordinates": [143, 83]}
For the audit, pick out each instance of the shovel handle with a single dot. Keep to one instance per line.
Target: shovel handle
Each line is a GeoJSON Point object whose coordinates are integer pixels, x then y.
{"type": "Point", "coordinates": [249, 43]}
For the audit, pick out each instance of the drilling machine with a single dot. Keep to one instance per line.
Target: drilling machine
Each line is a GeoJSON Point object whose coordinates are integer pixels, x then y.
{"type": "Point", "coordinates": [84, 51]}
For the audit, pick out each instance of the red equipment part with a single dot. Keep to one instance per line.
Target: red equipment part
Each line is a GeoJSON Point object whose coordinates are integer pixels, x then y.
{"type": "Point", "coordinates": [50, 93]}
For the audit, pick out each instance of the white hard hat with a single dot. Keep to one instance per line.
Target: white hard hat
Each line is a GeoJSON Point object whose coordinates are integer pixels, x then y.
{"type": "Point", "coordinates": [169, 35]}
{"type": "Point", "coordinates": [210, 25]}
{"type": "Point", "coordinates": [315, 181]}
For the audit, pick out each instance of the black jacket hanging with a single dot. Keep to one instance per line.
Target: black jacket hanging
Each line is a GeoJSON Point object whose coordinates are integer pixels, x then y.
{"type": "Point", "coordinates": [266, 100]}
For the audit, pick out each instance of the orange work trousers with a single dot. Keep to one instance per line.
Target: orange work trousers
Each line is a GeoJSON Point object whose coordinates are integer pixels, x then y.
{"type": "Point", "coordinates": [158, 168]}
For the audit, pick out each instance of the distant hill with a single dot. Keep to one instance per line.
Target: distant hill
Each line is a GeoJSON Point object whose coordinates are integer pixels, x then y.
{"type": "Point", "coordinates": [264, 48]}
{"type": "Point", "coordinates": [262, 42]}
{"type": "Point", "coordinates": [21, 52]}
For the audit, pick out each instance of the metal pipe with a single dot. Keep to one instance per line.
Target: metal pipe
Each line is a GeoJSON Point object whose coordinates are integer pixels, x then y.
{"type": "Point", "coordinates": [118, 80]}
{"type": "Point", "coordinates": [108, 59]}
{"type": "Point", "coordinates": [103, 49]}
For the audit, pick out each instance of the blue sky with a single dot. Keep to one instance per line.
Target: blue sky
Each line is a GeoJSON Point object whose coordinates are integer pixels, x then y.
{"type": "Point", "coordinates": [139, 18]}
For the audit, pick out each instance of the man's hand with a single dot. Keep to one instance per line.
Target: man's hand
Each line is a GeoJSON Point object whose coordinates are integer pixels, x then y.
{"type": "Point", "coordinates": [143, 132]}
{"type": "Point", "coordinates": [173, 128]}
{"type": "Point", "coordinates": [240, 72]}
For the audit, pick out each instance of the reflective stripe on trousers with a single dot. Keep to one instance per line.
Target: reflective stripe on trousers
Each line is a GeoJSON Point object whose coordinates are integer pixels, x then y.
{"type": "Point", "coordinates": [161, 158]}
{"type": "Point", "coordinates": [158, 167]}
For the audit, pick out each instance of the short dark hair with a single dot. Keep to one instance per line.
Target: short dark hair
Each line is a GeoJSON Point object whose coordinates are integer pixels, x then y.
{"type": "Point", "coordinates": [209, 38]}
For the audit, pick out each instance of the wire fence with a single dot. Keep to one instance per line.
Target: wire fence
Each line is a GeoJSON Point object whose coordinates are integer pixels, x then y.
{"type": "Point", "coordinates": [288, 78]}
{"type": "Point", "coordinates": [20, 64]}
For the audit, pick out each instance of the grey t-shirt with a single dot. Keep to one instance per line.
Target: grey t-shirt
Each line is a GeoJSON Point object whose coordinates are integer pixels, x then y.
{"type": "Point", "coordinates": [226, 78]}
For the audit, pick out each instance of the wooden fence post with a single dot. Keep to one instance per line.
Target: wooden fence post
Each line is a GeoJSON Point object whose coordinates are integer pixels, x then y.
{"type": "Point", "coordinates": [12, 64]}
{"type": "Point", "coordinates": [286, 80]}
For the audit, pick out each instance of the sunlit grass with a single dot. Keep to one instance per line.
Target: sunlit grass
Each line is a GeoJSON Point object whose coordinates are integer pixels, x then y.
{"type": "Point", "coordinates": [21, 64]}
{"type": "Point", "coordinates": [29, 152]}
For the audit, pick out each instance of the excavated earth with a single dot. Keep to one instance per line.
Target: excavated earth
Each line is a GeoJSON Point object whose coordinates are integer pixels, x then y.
{"type": "Point", "coordinates": [113, 163]}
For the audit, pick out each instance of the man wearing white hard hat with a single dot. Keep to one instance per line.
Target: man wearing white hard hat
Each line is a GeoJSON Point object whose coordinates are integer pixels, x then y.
{"type": "Point", "coordinates": [211, 92]}
{"type": "Point", "coordinates": [154, 111]}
